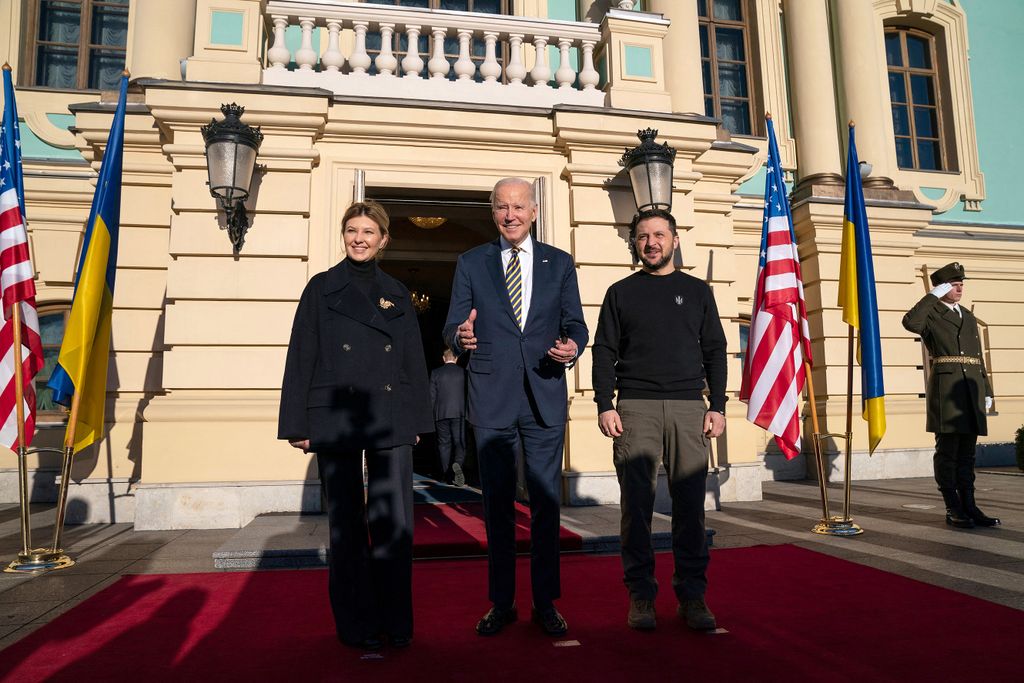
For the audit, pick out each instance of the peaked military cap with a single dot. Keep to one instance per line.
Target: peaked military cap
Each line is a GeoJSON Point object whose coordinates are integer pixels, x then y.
{"type": "Point", "coordinates": [951, 272]}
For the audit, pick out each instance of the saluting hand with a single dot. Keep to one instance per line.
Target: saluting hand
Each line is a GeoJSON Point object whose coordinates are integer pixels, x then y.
{"type": "Point", "coordinates": [467, 333]}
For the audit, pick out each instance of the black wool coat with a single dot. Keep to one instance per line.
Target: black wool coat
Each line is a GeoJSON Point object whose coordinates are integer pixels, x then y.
{"type": "Point", "coordinates": [355, 376]}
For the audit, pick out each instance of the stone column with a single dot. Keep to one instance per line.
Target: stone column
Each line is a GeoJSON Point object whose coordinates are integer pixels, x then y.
{"type": "Point", "coordinates": [812, 92]}
{"type": "Point", "coordinates": [162, 35]}
{"type": "Point", "coordinates": [862, 72]}
{"type": "Point", "coordinates": [682, 54]}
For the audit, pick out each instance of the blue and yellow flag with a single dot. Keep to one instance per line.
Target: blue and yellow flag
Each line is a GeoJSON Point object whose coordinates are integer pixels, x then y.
{"type": "Point", "coordinates": [81, 371]}
{"type": "Point", "coordinates": [857, 298]}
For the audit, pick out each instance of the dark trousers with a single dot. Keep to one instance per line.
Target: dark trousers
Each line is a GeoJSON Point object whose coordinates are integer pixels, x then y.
{"type": "Point", "coordinates": [541, 448]}
{"type": "Point", "coordinates": [954, 460]}
{"type": "Point", "coordinates": [370, 559]}
{"type": "Point", "coordinates": [669, 433]}
{"type": "Point", "coordinates": [451, 440]}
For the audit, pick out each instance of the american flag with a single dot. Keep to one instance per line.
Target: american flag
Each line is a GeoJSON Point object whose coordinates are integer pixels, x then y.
{"type": "Point", "coordinates": [16, 283]}
{"type": "Point", "coordinates": [779, 339]}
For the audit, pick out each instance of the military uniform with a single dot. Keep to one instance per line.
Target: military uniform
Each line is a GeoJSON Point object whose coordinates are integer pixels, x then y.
{"type": "Point", "coordinates": [957, 388]}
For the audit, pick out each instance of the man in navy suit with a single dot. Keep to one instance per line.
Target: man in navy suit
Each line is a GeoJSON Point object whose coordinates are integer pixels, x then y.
{"type": "Point", "coordinates": [516, 309]}
{"type": "Point", "coordinates": [448, 396]}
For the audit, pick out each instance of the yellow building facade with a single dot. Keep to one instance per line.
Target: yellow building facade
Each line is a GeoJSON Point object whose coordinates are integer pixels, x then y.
{"type": "Point", "coordinates": [199, 334]}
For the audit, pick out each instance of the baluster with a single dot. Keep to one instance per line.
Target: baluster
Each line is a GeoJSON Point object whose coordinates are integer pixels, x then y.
{"type": "Point", "coordinates": [279, 55]}
{"type": "Point", "coordinates": [540, 73]}
{"type": "Point", "coordinates": [305, 56]}
{"type": "Point", "coordinates": [412, 65]}
{"type": "Point", "coordinates": [332, 59]}
{"type": "Point", "coordinates": [359, 61]}
{"type": "Point", "coordinates": [515, 70]}
{"type": "Point", "coordinates": [464, 66]}
{"type": "Point", "coordinates": [490, 69]}
{"type": "Point", "coordinates": [438, 66]}
{"type": "Point", "coordinates": [589, 78]}
{"type": "Point", "coordinates": [386, 61]}
{"type": "Point", "coordinates": [565, 74]}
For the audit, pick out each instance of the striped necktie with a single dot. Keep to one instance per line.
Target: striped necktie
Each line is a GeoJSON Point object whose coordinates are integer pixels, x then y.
{"type": "Point", "coordinates": [514, 284]}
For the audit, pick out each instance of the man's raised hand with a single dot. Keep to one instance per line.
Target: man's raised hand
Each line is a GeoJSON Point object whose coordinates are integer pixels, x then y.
{"type": "Point", "coordinates": [467, 333]}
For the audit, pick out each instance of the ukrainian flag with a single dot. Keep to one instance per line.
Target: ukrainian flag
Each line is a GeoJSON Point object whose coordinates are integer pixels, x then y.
{"type": "Point", "coordinates": [80, 376]}
{"type": "Point", "coordinates": [857, 298]}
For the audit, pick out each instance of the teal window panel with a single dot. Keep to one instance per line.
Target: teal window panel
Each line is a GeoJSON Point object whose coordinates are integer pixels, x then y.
{"type": "Point", "coordinates": [639, 61]}
{"type": "Point", "coordinates": [227, 28]}
{"type": "Point", "coordinates": [34, 147]}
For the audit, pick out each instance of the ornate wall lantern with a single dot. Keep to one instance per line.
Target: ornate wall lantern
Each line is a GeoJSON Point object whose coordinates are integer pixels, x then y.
{"type": "Point", "coordinates": [231, 148]}
{"type": "Point", "coordinates": [650, 172]}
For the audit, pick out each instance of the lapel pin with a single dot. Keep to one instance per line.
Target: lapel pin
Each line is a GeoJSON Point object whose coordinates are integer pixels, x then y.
{"type": "Point", "coordinates": [385, 304]}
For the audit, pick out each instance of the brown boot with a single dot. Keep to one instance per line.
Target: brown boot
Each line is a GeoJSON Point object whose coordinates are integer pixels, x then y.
{"type": "Point", "coordinates": [641, 615]}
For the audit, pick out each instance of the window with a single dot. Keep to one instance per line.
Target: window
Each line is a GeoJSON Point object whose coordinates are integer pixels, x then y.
{"type": "Point", "coordinates": [914, 91]}
{"type": "Point", "coordinates": [451, 43]}
{"type": "Point", "coordinates": [75, 44]}
{"type": "Point", "coordinates": [52, 321]}
{"type": "Point", "coordinates": [726, 63]}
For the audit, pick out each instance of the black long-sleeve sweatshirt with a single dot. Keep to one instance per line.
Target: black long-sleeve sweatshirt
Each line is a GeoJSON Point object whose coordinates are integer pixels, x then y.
{"type": "Point", "coordinates": [659, 337]}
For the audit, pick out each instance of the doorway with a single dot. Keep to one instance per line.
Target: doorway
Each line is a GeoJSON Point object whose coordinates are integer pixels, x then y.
{"type": "Point", "coordinates": [429, 230]}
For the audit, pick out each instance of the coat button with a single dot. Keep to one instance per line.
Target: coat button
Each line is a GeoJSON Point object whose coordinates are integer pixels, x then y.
{"type": "Point", "coordinates": [387, 347]}
{"type": "Point", "coordinates": [346, 347]}
{"type": "Point", "coordinates": [387, 387]}
{"type": "Point", "coordinates": [351, 390]}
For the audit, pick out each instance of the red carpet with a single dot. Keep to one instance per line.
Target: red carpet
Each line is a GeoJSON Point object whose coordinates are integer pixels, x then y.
{"type": "Point", "coordinates": [457, 530]}
{"type": "Point", "coordinates": [792, 615]}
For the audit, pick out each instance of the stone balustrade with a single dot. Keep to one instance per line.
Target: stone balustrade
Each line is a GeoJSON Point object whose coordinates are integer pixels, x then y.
{"type": "Point", "coordinates": [545, 61]}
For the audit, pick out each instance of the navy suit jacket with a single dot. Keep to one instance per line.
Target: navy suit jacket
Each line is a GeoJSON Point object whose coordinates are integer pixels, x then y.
{"type": "Point", "coordinates": [505, 353]}
{"type": "Point", "coordinates": [448, 392]}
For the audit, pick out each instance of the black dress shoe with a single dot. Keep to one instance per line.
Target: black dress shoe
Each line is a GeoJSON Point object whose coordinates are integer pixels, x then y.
{"type": "Point", "coordinates": [551, 621]}
{"type": "Point", "coordinates": [495, 620]}
{"type": "Point", "coordinates": [370, 643]}
{"type": "Point", "coordinates": [400, 641]}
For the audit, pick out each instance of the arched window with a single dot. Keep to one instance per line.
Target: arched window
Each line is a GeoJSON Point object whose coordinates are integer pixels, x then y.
{"type": "Point", "coordinates": [52, 323]}
{"type": "Point", "coordinates": [914, 88]}
{"type": "Point", "coordinates": [74, 44]}
{"type": "Point", "coordinates": [726, 63]}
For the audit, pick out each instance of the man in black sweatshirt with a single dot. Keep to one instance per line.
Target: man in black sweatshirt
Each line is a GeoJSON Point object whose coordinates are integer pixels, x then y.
{"type": "Point", "coordinates": [659, 340]}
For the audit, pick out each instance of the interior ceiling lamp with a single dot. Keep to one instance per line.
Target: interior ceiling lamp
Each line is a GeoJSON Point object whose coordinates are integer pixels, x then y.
{"type": "Point", "coordinates": [420, 300]}
{"type": "Point", "coordinates": [649, 166]}
{"type": "Point", "coordinates": [231, 148]}
{"type": "Point", "coordinates": [428, 222]}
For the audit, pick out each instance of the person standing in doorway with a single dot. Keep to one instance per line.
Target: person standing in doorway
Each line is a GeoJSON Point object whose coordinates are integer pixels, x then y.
{"type": "Point", "coordinates": [515, 308]}
{"type": "Point", "coordinates": [959, 394]}
{"type": "Point", "coordinates": [659, 340]}
{"type": "Point", "coordinates": [448, 398]}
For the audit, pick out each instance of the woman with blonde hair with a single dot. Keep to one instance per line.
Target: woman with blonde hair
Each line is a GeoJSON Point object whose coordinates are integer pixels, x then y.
{"type": "Point", "coordinates": [355, 380]}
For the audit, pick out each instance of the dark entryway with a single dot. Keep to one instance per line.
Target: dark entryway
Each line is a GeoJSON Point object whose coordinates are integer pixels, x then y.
{"type": "Point", "coordinates": [429, 230]}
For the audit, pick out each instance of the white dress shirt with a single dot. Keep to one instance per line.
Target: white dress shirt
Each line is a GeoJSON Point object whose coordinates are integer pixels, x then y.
{"type": "Point", "coordinates": [525, 268]}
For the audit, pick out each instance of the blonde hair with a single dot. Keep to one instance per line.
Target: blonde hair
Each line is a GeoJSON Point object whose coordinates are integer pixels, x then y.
{"type": "Point", "coordinates": [375, 212]}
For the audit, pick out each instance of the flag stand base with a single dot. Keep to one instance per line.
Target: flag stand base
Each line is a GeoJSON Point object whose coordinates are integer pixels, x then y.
{"type": "Point", "coordinates": [837, 526]}
{"type": "Point", "coordinates": [40, 559]}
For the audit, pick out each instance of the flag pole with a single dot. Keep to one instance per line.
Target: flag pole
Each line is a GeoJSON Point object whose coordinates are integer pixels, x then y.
{"type": "Point", "coordinates": [849, 429]}
{"type": "Point", "coordinates": [816, 441]}
{"type": "Point", "coordinates": [29, 560]}
{"type": "Point", "coordinates": [65, 476]}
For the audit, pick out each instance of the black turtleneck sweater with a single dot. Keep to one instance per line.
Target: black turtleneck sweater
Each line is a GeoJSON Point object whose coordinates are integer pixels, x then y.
{"type": "Point", "coordinates": [659, 337]}
{"type": "Point", "coordinates": [363, 274]}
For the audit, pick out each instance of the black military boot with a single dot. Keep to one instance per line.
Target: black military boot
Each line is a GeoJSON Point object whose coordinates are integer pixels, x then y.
{"type": "Point", "coordinates": [954, 512]}
{"type": "Point", "coordinates": [972, 511]}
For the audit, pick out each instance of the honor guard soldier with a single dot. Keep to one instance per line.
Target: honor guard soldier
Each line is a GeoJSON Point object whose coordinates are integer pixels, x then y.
{"type": "Point", "coordinates": [959, 394]}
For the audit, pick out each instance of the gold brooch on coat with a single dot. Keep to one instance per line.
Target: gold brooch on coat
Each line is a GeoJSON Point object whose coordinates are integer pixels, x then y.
{"type": "Point", "coordinates": [385, 304]}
